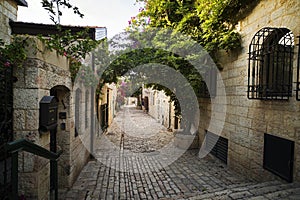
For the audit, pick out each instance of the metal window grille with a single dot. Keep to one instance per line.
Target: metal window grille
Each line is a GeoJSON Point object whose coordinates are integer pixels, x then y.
{"type": "Point", "coordinates": [270, 64]}
{"type": "Point", "coordinates": [217, 145]}
{"type": "Point", "coordinates": [298, 73]}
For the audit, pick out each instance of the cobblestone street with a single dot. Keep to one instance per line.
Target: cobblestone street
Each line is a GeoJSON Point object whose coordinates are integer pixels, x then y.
{"type": "Point", "coordinates": [135, 159]}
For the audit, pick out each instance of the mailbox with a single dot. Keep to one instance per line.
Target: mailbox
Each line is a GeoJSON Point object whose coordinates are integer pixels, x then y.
{"type": "Point", "coordinates": [48, 113]}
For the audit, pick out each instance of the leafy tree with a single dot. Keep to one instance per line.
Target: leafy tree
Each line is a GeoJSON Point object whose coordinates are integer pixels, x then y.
{"type": "Point", "coordinates": [210, 22]}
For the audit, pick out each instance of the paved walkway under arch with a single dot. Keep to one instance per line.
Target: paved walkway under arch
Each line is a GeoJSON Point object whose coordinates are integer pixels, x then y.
{"type": "Point", "coordinates": [132, 170]}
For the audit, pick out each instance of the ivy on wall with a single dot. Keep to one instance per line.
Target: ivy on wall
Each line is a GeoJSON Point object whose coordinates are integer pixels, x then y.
{"type": "Point", "coordinates": [13, 54]}
{"type": "Point", "coordinates": [73, 46]}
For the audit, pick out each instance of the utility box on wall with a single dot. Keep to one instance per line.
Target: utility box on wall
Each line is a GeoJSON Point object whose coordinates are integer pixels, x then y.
{"type": "Point", "coordinates": [48, 113]}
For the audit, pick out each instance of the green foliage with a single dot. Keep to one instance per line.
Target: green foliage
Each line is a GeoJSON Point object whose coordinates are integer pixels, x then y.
{"type": "Point", "coordinates": [75, 46]}
{"type": "Point", "coordinates": [210, 22]}
{"type": "Point", "coordinates": [14, 53]}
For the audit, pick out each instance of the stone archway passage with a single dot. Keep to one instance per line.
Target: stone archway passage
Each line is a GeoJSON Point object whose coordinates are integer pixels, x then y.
{"type": "Point", "coordinates": [62, 137]}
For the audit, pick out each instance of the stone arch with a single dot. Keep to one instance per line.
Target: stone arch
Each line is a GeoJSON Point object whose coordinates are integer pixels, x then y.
{"type": "Point", "coordinates": [141, 57]}
{"type": "Point", "coordinates": [63, 94]}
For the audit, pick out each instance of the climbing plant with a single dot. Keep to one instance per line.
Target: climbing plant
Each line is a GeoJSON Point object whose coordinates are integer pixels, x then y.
{"type": "Point", "coordinates": [74, 46]}
{"type": "Point", "coordinates": [14, 53]}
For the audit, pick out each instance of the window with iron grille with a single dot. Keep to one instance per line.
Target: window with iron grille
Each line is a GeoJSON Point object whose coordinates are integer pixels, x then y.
{"type": "Point", "coordinates": [270, 64]}
{"type": "Point", "coordinates": [298, 73]}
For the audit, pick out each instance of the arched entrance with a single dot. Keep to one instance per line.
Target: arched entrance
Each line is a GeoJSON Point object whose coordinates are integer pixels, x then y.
{"type": "Point", "coordinates": [60, 140]}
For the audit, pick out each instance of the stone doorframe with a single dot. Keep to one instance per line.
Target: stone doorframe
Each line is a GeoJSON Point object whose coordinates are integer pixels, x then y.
{"type": "Point", "coordinates": [63, 94]}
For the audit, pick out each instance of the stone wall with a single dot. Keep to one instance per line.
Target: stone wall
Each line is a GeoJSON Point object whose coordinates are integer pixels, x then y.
{"type": "Point", "coordinates": [160, 108]}
{"type": "Point", "coordinates": [247, 120]}
{"type": "Point", "coordinates": [8, 10]}
{"type": "Point", "coordinates": [80, 144]}
{"type": "Point", "coordinates": [45, 73]}
{"type": "Point", "coordinates": [108, 96]}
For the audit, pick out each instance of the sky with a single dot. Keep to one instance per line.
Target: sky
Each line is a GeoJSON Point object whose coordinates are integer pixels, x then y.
{"type": "Point", "coordinates": [112, 14]}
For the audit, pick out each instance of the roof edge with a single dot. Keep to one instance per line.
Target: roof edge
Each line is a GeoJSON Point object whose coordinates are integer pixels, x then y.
{"type": "Point", "coordinates": [46, 29]}
{"type": "Point", "coordinates": [21, 3]}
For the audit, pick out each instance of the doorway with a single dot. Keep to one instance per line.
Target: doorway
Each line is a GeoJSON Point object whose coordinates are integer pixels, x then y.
{"type": "Point", "coordinates": [60, 137]}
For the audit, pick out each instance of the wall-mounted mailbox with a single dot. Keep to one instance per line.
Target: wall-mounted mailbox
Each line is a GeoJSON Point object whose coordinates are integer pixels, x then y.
{"type": "Point", "coordinates": [48, 113]}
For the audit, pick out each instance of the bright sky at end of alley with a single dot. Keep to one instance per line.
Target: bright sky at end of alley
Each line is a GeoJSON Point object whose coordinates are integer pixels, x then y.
{"type": "Point", "coordinates": [112, 14]}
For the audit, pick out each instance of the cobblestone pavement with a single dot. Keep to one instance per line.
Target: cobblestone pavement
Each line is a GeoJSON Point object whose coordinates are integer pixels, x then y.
{"type": "Point", "coordinates": [133, 170]}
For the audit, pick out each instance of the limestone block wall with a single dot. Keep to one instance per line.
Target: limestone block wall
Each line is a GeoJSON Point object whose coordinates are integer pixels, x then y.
{"type": "Point", "coordinates": [80, 144]}
{"type": "Point", "coordinates": [45, 73]}
{"type": "Point", "coordinates": [8, 10]}
{"type": "Point", "coordinates": [152, 102]}
{"type": "Point", "coordinates": [160, 108]}
{"type": "Point", "coordinates": [248, 120]}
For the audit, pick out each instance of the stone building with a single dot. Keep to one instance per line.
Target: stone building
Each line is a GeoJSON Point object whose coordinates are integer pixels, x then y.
{"type": "Point", "coordinates": [8, 11]}
{"type": "Point", "coordinates": [261, 136]}
{"type": "Point", "coordinates": [160, 108]}
{"type": "Point", "coordinates": [45, 75]}
{"type": "Point", "coordinates": [107, 105]}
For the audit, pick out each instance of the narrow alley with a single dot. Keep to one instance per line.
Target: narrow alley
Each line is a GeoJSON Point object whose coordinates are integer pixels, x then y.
{"type": "Point", "coordinates": [134, 161]}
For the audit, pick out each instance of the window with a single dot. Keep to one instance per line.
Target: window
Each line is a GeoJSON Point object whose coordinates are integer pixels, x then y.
{"type": "Point", "coordinates": [77, 111]}
{"type": "Point", "coordinates": [270, 64]}
{"type": "Point", "coordinates": [87, 94]}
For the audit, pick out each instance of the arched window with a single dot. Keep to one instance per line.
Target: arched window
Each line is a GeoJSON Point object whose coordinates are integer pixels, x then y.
{"type": "Point", "coordinates": [86, 103]}
{"type": "Point", "coordinates": [77, 111]}
{"type": "Point", "coordinates": [270, 64]}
